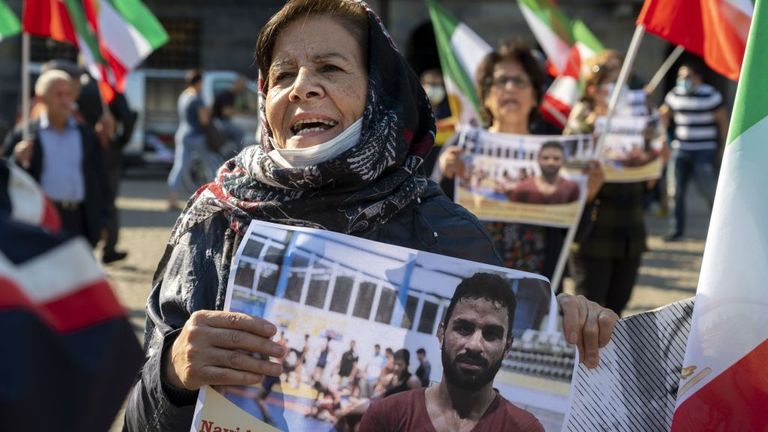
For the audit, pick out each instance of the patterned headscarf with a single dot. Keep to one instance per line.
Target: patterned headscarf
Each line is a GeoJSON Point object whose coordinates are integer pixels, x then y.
{"type": "Point", "coordinates": [352, 193]}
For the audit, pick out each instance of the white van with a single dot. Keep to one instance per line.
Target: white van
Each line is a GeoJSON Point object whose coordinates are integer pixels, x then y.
{"type": "Point", "coordinates": [153, 94]}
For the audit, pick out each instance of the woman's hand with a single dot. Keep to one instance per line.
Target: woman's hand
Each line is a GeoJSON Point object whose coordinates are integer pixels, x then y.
{"type": "Point", "coordinates": [595, 179]}
{"type": "Point", "coordinates": [587, 325]}
{"type": "Point", "coordinates": [214, 348]}
{"type": "Point", "coordinates": [450, 162]}
{"type": "Point", "coordinates": [23, 152]}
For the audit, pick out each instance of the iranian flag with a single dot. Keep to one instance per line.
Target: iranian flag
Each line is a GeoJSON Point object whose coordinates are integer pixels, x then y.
{"type": "Point", "coordinates": [713, 29]}
{"type": "Point", "coordinates": [113, 36]}
{"type": "Point", "coordinates": [9, 24]}
{"type": "Point", "coordinates": [461, 50]}
{"type": "Point", "coordinates": [129, 33]}
{"type": "Point", "coordinates": [566, 89]}
{"type": "Point", "coordinates": [552, 29]}
{"type": "Point", "coordinates": [69, 352]}
{"type": "Point", "coordinates": [724, 384]}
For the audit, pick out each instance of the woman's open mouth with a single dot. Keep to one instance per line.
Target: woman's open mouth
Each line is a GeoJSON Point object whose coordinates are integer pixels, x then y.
{"type": "Point", "coordinates": [312, 126]}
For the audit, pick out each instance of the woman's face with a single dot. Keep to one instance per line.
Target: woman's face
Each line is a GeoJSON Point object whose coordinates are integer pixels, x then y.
{"type": "Point", "coordinates": [317, 83]}
{"type": "Point", "coordinates": [601, 92]}
{"type": "Point", "coordinates": [511, 96]}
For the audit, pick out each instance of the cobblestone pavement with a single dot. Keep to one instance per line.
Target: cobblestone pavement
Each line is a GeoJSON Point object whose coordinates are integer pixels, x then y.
{"type": "Point", "coordinates": [669, 272]}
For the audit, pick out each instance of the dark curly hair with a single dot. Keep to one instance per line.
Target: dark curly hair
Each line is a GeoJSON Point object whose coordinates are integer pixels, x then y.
{"type": "Point", "coordinates": [511, 50]}
{"type": "Point", "coordinates": [489, 286]}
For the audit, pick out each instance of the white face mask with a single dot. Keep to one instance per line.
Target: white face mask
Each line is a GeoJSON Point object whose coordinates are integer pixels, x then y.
{"type": "Point", "coordinates": [435, 93]}
{"type": "Point", "coordinates": [302, 158]}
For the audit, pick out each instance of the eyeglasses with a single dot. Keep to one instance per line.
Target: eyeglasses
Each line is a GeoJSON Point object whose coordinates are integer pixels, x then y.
{"type": "Point", "coordinates": [517, 82]}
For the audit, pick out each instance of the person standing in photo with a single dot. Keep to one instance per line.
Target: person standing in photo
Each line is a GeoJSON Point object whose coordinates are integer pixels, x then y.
{"type": "Point", "coordinates": [425, 368]}
{"type": "Point", "coordinates": [374, 368]}
{"type": "Point", "coordinates": [322, 361]}
{"type": "Point", "coordinates": [348, 365]}
{"type": "Point", "coordinates": [694, 113]}
{"type": "Point", "coordinates": [190, 136]}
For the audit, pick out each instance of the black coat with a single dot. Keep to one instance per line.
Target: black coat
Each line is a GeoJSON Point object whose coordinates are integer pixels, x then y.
{"type": "Point", "coordinates": [193, 275]}
{"type": "Point", "coordinates": [96, 204]}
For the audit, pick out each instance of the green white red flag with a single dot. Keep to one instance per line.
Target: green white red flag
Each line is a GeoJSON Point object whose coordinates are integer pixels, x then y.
{"type": "Point", "coordinates": [724, 384]}
{"type": "Point", "coordinates": [114, 36]}
{"type": "Point", "coordinates": [713, 29]}
{"type": "Point", "coordinates": [568, 44]}
{"type": "Point", "coordinates": [567, 88]}
{"type": "Point", "coordinates": [9, 24]}
{"type": "Point", "coordinates": [461, 50]}
{"type": "Point", "coordinates": [552, 29]}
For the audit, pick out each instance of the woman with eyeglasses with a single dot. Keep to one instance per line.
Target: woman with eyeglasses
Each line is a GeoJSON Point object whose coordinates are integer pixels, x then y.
{"type": "Point", "coordinates": [510, 84]}
{"type": "Point", "coordinates": [608, 248]}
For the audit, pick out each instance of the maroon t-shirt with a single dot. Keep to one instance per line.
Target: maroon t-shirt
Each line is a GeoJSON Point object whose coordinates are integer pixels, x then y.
{"type": "Point", "coordinates": [527, 192]}
{"type": "Point", "coordinates": [407, 412]}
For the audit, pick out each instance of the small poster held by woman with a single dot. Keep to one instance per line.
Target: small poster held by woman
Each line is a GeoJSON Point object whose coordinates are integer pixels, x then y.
{"type": "Point", "coordinates": [364, 323]}
{"type": "Point", "coordinates": [522, 178]}
{"type": "Point", "coordinates": [632, 149]}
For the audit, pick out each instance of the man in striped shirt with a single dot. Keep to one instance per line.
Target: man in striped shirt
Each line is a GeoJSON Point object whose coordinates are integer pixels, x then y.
{"type": "Point", "coordinates": [694, 114]}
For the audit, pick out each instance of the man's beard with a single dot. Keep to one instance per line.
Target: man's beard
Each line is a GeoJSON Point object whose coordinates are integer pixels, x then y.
{"type": "Point", "coordinates": [550, 174]}
{"type": "Point", "coordinates": [456, 377]}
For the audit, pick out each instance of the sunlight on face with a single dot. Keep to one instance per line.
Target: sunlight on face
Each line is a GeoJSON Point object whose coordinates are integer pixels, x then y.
{"type": "Point", "coordinates": [317, 83]}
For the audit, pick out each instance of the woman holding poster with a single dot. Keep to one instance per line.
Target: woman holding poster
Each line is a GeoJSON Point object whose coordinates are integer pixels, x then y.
{"type": "Point", "coordinates": [609, 245]}
{"type": "Point", "coordinates": [346, 124]}
{"type": "Point", "coordinates": [510, 84]}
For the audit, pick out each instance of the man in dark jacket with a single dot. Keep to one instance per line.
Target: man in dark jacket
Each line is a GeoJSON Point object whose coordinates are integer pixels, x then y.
{"type": "Point", "coordinates": [114, 129]}
{"type": "Point", "coordinates": [65, 158]}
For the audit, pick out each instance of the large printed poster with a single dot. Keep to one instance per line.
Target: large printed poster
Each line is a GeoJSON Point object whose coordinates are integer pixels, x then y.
{"type": "Point", "coordinates": [631, 148]}
{"type": "Point", "coordinates": [522, 178]}
{"type": "Point", "coordinates": [342, 304]}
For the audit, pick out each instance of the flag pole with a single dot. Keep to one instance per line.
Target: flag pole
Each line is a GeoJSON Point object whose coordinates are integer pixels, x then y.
{"type": "Point", "coordinates": [555, 113]}
{"type": "Point", "coordinates": [562, 259]}
{"type": "Point", "coordinates": [25, 87]}
{"type": "Point", "coordinates": [664, 68]}
{"type": "Point", "coordinates": [626, 68]}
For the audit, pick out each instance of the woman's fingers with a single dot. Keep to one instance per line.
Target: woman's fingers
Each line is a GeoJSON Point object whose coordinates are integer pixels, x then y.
{"type": "Point", "coordinates": [573, 318]}
{"type": "Point", "coordinates": [234, 320]}
{"type": "Point", "coordinates": [214, 375]}
{"type": "Point", "coordinates": [243, 361]}
{"type": "Point", "coordinates": [449, 160]}
{"type": "Point", "coordinates": [222, 341]}
{"type": "Point", "coordinates": [587, 325]}
{"type": "Point", "coordinates": [242, 340]}
{"type": "Point", "coordinates": [590, 338]}
{"type": "Point", "coordinates": [607, 320]}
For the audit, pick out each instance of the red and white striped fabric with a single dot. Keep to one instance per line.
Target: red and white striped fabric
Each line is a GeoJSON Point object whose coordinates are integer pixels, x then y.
{"type": "Point", "coordinates": [724, 385]}
{"type": "Point", "coordinates": [28, 203]}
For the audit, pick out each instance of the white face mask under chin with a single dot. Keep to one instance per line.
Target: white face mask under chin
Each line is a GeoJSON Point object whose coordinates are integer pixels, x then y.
{"type": "Point", "coordinates": [302, 158]}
